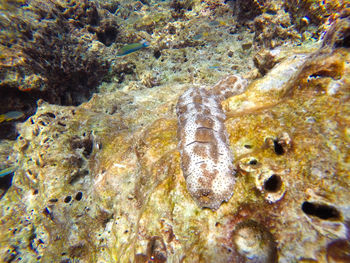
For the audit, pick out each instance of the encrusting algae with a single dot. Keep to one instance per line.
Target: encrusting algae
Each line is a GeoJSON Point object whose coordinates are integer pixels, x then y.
{"type": "Point", "coordinates": [102, 181]}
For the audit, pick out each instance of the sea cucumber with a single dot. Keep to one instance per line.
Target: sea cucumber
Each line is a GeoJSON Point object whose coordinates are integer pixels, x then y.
{"type": "Point", "coordinates": [206, 158]}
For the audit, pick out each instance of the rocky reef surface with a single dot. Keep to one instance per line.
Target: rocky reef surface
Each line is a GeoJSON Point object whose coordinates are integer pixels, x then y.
{"type": "Point", "coordinates": [102, 181]}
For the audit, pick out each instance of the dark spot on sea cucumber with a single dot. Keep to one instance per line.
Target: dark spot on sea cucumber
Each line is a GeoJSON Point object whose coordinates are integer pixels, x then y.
{"type": "Point", "coordinates": [273, 184]}
{"type": "Point", "coordinates": [322, 211]}
{"type": "Point", "coordinates": [204, 135]}
{"type": "Point", "coordinates": [248, 146]}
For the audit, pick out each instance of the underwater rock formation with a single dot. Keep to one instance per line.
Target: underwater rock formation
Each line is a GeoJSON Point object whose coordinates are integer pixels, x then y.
{"type": "Point", "coordinates": [254, 243]}
{"type": "Point", "coordinates": [274, 27]}
{"type": "Point", "coordinates": [46, 51]}
{"type": "Point", "coordinates": [116, 180]}
{"type": "Point", "coordinates": [102, 181]}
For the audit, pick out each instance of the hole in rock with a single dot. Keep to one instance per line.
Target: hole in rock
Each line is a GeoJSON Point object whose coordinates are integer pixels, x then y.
{"type": "Point", "coordinates": [68, 199]}
{"type": "Point", "coordinates": [49, 114]}
{"type": "Point", "coordinates": [320, 74]}
{"type": "Point", "coordinates": [278, 148]}
{"type": "Point", "coordinates": [253, 162]}
{"type": "Point", "coordinates": [157, 54]}
{"type": "Point", "coordinates": [79, 196]}
{"type": "Point", "coordinates": [61, 124]}
{"type": "Point", "coordinates": [344, 39]}
{"type": "Point", "coordinates": [108, 35]}
{"type": "Point", "coordinates": [112, 7]}
{"type": "Point", "coordinates": [85, 143]}
{"type": "Point", "coordinates": [5, 183]}
{"type": "Point", "coordinates": [322, 211]}
{"type": "Point", "coordinates": [273, 184]}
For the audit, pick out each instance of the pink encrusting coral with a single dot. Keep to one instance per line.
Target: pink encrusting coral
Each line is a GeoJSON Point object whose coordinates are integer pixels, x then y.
{"type": "Point", "coordinates": [207, 161]}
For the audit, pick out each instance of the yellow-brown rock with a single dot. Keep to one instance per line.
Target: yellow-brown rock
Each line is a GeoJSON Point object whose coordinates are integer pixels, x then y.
{"type": "Point", "coordinates": [101, 182]}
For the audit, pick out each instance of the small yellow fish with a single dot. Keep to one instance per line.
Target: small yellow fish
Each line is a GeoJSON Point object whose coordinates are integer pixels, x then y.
{"type": "Point", "coordinates": [11, 115]}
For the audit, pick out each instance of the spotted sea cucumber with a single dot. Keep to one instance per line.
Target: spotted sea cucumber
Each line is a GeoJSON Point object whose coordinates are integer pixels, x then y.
{"type": "Point", "coordinates": [206, 158]}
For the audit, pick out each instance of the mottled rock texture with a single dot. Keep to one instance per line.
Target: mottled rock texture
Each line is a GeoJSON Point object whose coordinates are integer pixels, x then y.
{"type": "Point", "coordinates": [103, 187]}
{"type": "Point", "coordinates": [102, 182]}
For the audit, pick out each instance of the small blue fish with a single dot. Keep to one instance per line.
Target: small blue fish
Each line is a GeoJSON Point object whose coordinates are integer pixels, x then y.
{"type": "Point", "coordinates": [131, 48]}
{"type": "Point", "coordinates": [7, 171]}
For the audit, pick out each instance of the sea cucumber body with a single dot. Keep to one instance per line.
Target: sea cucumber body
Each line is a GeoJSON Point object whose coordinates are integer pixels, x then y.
{"type": "Point", "coordinates": [206, 158]}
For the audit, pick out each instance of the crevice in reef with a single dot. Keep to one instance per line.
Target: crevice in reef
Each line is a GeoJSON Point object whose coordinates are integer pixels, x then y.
{"type": "Point", "coordinates": [46, 54]}
{"type": "Point", "coordinates": [322, 211]}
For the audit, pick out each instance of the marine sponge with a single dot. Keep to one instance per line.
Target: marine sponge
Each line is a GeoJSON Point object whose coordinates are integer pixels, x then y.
{"type": "Point", "coordinates": [203, 142]}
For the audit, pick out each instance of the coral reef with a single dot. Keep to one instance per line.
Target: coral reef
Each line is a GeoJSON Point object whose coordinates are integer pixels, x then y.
{"type": "Point", "coordinates": [50, 56]}
{"type": "Point", "coordinates": [46, 53]}
{"type": "Point", "coordinates": [274, 27]}
{"type": "Point", "coordinates": [310, 15]}
{"type": "Point", "coordinates": [338, 35]}
{"type": "Point", "coordinates": [102, 181]}
{"type": "Point", "coordinates": [115, 192]}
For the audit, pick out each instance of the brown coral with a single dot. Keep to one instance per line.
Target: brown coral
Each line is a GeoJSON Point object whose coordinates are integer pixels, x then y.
{"type": "Point", "coordinates": [51, 45]}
